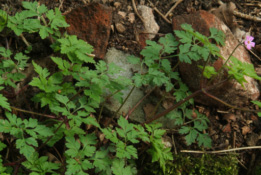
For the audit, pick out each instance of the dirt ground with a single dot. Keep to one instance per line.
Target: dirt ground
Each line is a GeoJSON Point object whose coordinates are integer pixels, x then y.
{"type": "Point", "coordinates": [227, 127]}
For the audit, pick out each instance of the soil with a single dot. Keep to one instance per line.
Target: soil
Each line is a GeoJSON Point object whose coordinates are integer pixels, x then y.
{"type": "Point", "coordinates": [228, 128]}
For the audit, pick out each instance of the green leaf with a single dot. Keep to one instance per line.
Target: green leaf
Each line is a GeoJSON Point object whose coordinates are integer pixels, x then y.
{"type": "Point", "coordinates": [209, 71]}
{"type": "Point", "coordinates": [111, 135]}
{"type": "Point", "coordinates": [30, 5]}
{"type": "Point", "coordinates": [56, 19]}
{"type": "Point", "coordinates": [184, 130]}
{"type": "Point", "coordinates": [258, 103]}
{"type": "Point", "coordinates": [45, 31]}
{"type": "Point", "coordinates": [40, 165]}
{"type": "Point", "coordinates": [43, 130]}
{"type": "Point", "coordinates": [72, 145]}
{"type": "Point", "coordinates": [133, 60]}
{"type": "Point", "coordinates": [169, 43]}
{"type": "Point", "coordinates": [191, 134]}
{"type": "Point", "coordinates": [43, 72]}
{"type": "Point", "coordinates": [101, 160]}
{"type": "Point", "coordinates": [204, 139]}
{"type": "Point", "coordinates": [31, 141]}
{"type": "Point", "coordinates": [3, 19]}
{"type": "Point", "coordinates": [125, 151]}
{"type": "Point", "coordinates": [2, 146]}
{"type": "Point", "coordinates": [62, 99]}
{"type": "Point", "coordinates": [118, 168]}
{"type": "Point", "coordinates": [151, 52]}
{"type": "Point", "coordinates": [74, 168]}
{"type": "Point", "coordinates": [5, 52]}
{"type": "Point", "coordinates": [183, 54]}
{"type": "Point", "coordinates": [22, 60]}
{"type": "Point", "coordinates": [4, 103]}
{"type": "Point", "coordinates": [91, 121]}
{"type": "Point", "coordinates": [166, 65]}
{"type": "Point", "coordinates": [185, 37]}
{"type": "Point", "coordinates": [138, 80]}
{"type": "Point", "coordinates": [88, 141]}
{"type": "Point", "coordinates": [217, 35]}
{"type": "Point", "coordinates": [76, 49]}
{"type": "Point", "coordinates": [176, 115]}
{"type": "Point", "coordinates": [25, 149]}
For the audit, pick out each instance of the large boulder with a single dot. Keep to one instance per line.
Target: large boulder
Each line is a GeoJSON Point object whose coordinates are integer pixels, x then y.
{"type": "Point", "coordinates": [230, 92]}
{"type": "Point", "coordinates": [91, 23]}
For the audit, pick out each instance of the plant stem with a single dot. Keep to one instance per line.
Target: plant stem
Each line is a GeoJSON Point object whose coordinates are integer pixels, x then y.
{"type": "Point", "coordinates": [34, 113]}
{"type": "Point", "coordinates": [157, 106]}
{"type": "Point", "coordinates": [173, 69]}
{"type": "Point", "coordinates": [226, 104]}
{"type": "Point", "coordinates": [139, 102]}
{"type": "Point", "coordinates": [222, 67]}
{"type": "Point", "coordinates": [49, 138]}
{"type": "Point", "coordinates": [181, 102]}
{"type": "Point", "coordinates": [173, 107]}
{"type": "Point", "coordinates": [24, 40]}
{"type": "Point", "coordinates": [132, 89]}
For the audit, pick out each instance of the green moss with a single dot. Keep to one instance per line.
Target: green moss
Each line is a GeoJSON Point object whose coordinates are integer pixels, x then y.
{"type": "Point", "coordinates": [206, 164]}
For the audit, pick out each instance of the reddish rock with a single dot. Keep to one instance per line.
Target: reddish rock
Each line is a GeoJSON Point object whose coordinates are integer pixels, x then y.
{"type": "Point", "coordinates": [91, 23]}
{"type": "Point", "coordinates": [230, 92]}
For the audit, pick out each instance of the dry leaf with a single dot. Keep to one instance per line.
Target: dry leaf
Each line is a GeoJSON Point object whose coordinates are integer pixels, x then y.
{"type": "Point", "coordinates": [229, 118]}
{"type": "Point", "coordinates": [122, 14]}
{"type": "Point", "coordinates": [149, 110]}
{"type": "Point", "coordinates": [227, 128]}
{"type": "Point", "coordinates": [225, 13]}
{"type": "Point", "coordinates": [131, 17]}
{"type": "Point", "coordinates": [245, 130]}
{"type": "Point", "coordinates": [167, 104]}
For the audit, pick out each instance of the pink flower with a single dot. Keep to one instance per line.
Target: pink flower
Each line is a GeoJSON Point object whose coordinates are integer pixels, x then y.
{"type": "Point", "coordinates": [248, 42]}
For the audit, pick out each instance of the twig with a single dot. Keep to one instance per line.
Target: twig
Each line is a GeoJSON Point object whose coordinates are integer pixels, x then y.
{"type": "Point", "coordinates": [249, 17]}
{"type": "Point", "coordinates": [139, 102]}
{"type": "Point", "coordinates": [221, 151]}
{"type": "Point", "coordinates": [226, 104]}
{"type": "Point", "coordinates": [242, 15]}
{"type": "Point", "coordinates": [173, 7]}
{"type": "Point", "coordinates": [253, 54]}
{"type": "Point", "coordinates": [136, 11]}
{"type": "Point", "coordinates": [61, 4]}
{"type": "Point", "coordinates": [203, 90]}
{"type": "Point", "coordinates": [34, 113]}
{"type": "Point", "coordinates": [132, 89]}
{"type": "Point", "coordinates": [164, 17]}
{"type": "Point", "coordinates": [24, 40]}
{"type": "Point", "coordinates": [242, 164]}
{"type": "Point", "coordinates": [155, 8]}
{"type": "Point", "coordinates": [173, 107]}
{"type": "Point", "coordinates": [174, 146]}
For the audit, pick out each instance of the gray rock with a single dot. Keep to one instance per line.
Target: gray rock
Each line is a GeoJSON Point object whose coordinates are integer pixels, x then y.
{"type": "Point", "coordinates": [150, 24]}
{"type": "Point", "coordinates": [120, 59]}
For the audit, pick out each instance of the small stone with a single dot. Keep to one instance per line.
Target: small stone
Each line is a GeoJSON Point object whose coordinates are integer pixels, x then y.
{"type": "Point", "coordinates": [150, 25]}
{"type": "Point", "coordinates": [131, 17]}
{"type": "Point", "coordinates": [112, 28]}
{"type": "Point", "coordinates": [120, 27]}
{"type": "Point", "coordinates": [122, 14]}
{"type": "Point", "coordinates": [117, 4]}
{"type": "Point", "coordinates": [129, 8]}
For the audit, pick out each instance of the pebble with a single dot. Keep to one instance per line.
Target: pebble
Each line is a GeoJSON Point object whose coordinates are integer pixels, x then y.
{"type": "Point", "coordinates": [120, 27]}
{"type": "Point", "coordinates": [117, 4]}
{"type": "Point", "coordinates": [131, 17]}
{"type": "Point", "coordinates": [122, 14]}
